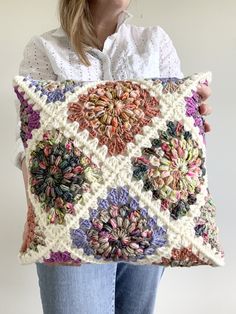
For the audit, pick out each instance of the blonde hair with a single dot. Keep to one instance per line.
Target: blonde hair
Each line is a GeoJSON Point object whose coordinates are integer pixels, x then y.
{"type": "Point", "coordinates": [76, 20]}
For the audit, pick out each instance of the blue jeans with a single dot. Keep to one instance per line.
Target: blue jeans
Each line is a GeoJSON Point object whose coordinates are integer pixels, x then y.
{"type": "Point", "coordinates": [119, 288]}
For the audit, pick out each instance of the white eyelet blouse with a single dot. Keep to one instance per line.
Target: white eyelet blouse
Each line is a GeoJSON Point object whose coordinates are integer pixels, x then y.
{"type": "Point", "coordinates": [130, 52]}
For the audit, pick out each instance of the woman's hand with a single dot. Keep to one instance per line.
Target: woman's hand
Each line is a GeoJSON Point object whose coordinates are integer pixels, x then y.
{"type": "Point", "coordinates": [205, 92]}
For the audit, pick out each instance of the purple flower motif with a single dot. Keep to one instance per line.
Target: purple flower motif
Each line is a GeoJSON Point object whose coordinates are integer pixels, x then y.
{"type": "Point", "coordinates": [113, 196]}
{"type": "Point", "coordinates": [151, 222]}
{"type": "Point", "coordinates": [54, 90]}
{"type": "Point", "coordinates": [20, 95]}
{"type": "Point", "coordinates": [104, 204]}
{"type": "Point", "coordinates": [123, 196]}
{"type": "Point", "coordinates": [61, 258]}
{"type": "Point", "coordinates": [79, 237]}
{"type": "Point", "coordinates": [30, 119]}
{"type": "Point", "coordinates": [120, 230]}
{"type": "Point", "coordinates": [159, 237]}
{"type": "Point", "coordinates": [192, 105]}
{"type": "Point", "coordinates": [86, 224]}
{"type": "Point", "coordinates": [133, 204]}
{"type": "Point", "coordinates": [94, 213]}
{"type": "Point", "coordinates": [143, 212]}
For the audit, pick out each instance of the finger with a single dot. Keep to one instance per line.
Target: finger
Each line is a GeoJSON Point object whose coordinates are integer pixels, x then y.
{"type": "Point", "coordinates": [207, 127]}
{"type": "Point", "coordinates": [205, 109]}
{"type": "Point", "coordinates": [204, 91]}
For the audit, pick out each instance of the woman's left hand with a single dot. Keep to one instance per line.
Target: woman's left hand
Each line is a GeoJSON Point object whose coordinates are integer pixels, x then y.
{"type": "Point", "coordinates": [205, 92]}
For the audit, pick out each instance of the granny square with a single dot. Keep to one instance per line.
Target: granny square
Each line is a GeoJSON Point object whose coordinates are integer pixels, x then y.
{"type": "Point", "coordinates": [117, 173]}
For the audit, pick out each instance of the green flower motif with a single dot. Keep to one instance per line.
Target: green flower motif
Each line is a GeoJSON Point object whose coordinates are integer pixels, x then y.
{"type": "Point", "coordinates": [172, 168]}
{"type": "Point", "coordinates": [59, 175]}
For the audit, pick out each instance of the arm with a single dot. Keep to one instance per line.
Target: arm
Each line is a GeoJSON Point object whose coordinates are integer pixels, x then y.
{"type": "Point", "coordinates": [170, 65]}
{"type": "Point", "coordinates": [36, 64]}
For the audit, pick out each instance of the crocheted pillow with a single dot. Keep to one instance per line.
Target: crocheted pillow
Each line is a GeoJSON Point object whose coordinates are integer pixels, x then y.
{"type": "Point", "coordinates": [117, 172]}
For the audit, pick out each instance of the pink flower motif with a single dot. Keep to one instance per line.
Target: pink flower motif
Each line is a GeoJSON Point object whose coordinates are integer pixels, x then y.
{"type": "Point", "coordinates": [114, 112]}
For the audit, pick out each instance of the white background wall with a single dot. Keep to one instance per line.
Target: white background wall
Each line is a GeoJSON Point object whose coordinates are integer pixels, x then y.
{"type": "Point", "coordinates": [204, 35]}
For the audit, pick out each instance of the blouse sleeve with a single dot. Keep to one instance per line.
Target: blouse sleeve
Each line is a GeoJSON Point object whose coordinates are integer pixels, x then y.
{"type": "Point", "coordinates": [35, 63]}
{"type": "Point", "coordinates": [170, 65]}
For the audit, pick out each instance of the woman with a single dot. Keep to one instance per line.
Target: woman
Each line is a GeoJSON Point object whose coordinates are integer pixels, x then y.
{"type": "Point", "coordinates": [94, 42]}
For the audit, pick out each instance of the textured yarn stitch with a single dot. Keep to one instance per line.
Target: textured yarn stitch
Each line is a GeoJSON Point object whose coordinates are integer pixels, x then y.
{"type": "Point", "coordinates": [117, 172]}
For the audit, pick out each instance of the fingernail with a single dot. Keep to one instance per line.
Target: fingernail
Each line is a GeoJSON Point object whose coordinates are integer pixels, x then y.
{"type": "Point", "coordinates": [199, 86]}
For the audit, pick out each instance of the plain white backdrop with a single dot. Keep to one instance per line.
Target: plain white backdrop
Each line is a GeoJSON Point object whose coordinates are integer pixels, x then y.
{"type": "Point", "coordinates": [204, 35]}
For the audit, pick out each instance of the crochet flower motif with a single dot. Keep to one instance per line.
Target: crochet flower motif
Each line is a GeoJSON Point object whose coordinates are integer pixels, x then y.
{"type": "Point", "coordinates": [182, 257]}
{"type": "Point", "coordinates": [30, 118]}
{"type": "Point", "coordinates": [62, 258]}
{"type": "Point", "coordinates": [32, 236]}
{"type": "Point", "coordinates": [114, 113]}
{"type": "Point", "coordinates": [192, 110]}
{"type": "Point", "coordinates": [206, 224]}
{"type": "Point", "coordinates": [119, 229]}
{"type": "Point", "coordinates": [172, 168]}
{"type": "Point", "coordinates": [54, 90]}
{"type": "Point", "coordinates": [170, 85]}
{"type": "Point", "coordinates": [60, 174]}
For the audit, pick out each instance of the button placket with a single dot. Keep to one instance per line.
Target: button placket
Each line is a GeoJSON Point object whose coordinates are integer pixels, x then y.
{"type": "Point", "coordinates": [106, 64]}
